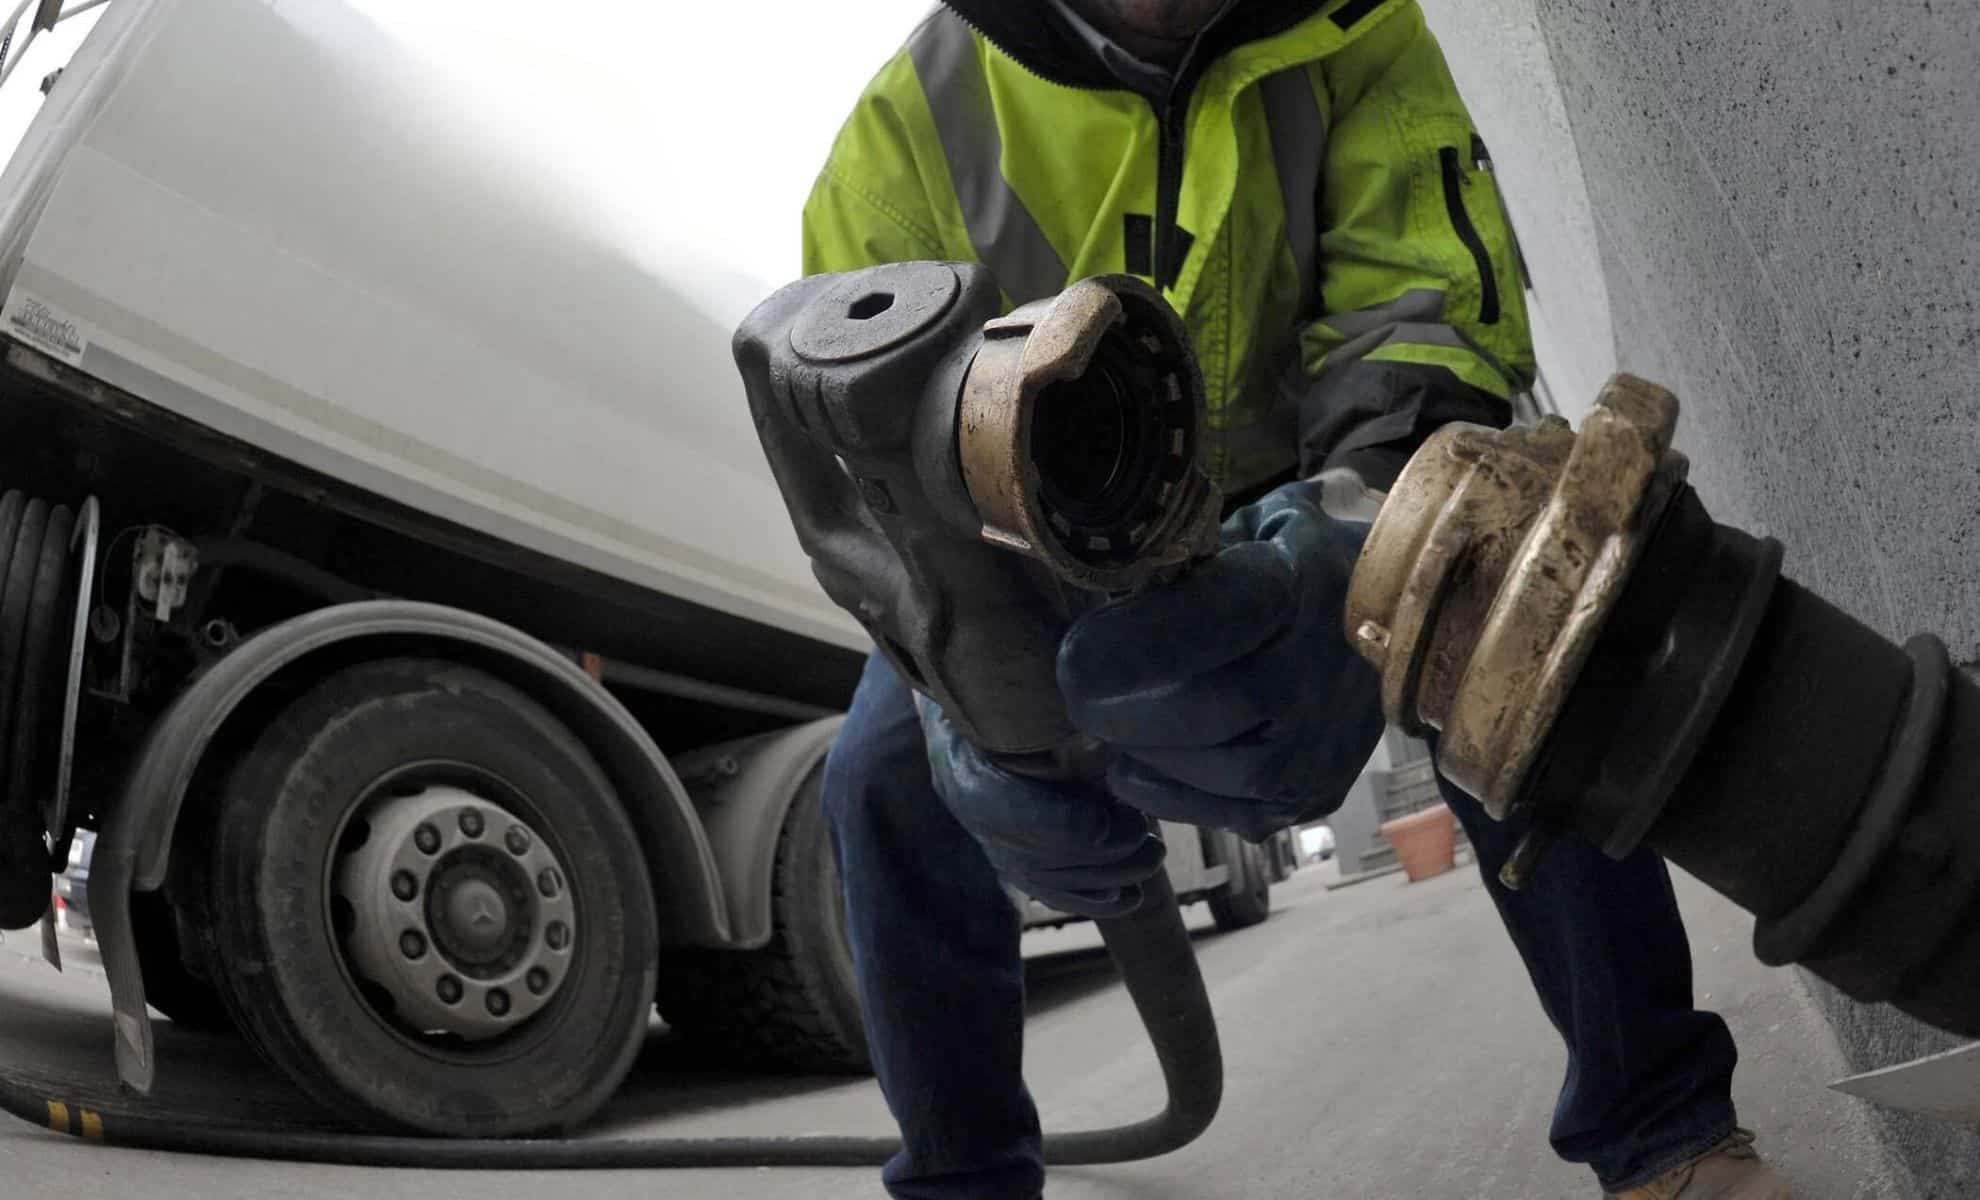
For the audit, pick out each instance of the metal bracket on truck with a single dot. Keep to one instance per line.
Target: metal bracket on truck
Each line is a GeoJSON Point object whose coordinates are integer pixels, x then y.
{"type": "Point", "coordinates": [745, 789]}
{"type": "Point", "coordinates": [135, 845]}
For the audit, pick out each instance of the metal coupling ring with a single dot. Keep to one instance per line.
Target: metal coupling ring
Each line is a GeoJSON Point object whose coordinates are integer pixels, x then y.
{"type": "Point", "coordinates": [1079, 433]}
{"type": "Point", "coordinates": [1491, 567]}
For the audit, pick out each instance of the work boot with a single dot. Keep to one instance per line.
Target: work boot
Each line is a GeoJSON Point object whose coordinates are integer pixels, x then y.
{"type": "Point", "coordinates": [1731, 1170]}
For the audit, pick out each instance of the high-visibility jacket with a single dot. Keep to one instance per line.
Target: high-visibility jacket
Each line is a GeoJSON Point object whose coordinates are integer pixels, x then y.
{"type": "Point", "coordinates": [1307, 188]}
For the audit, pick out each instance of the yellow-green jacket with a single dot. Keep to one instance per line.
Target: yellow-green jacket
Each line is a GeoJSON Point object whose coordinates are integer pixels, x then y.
{"type": "Point", "coordinates": [1307, 187]}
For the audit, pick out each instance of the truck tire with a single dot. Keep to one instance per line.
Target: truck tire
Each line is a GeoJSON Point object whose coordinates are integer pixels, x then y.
{"type": "Point", "coordinates": [1279, 853]}
{"type": "Point", "coordinates": [428, 908]}
{"type": "Point", "coordinates": [794, 1004]}
{"type": "Point", "coordinates": [187, 1000]}
{"type": "Point", "coordinates": [1247, 898]}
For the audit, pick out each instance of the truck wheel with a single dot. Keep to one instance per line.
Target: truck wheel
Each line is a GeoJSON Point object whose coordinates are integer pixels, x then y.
{"type": "Point", "coordinates": [429, 909]}
{"type": "Point", "coordinates": [1247, 899]}
{"type": "Point", "coordinates": [169, 987]}
{"type": "Point", "coordinates": [794, 1003]}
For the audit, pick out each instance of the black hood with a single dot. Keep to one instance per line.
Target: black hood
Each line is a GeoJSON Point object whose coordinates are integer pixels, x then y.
{"type": "Point", "coordinates": [1037, 35]}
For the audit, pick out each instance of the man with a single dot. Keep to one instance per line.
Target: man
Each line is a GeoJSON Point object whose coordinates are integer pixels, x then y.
{"type": "Point", "coordinates": [1304, 184]}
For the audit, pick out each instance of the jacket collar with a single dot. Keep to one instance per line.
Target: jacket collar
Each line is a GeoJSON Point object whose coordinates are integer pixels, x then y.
{"type": "Point", "coordinates": [1043, 40]}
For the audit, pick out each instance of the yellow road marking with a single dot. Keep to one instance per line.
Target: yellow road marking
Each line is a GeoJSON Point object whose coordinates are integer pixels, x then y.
{"type": "Point", "coordinates": [58, 1116]}
{"type": "Point", "coordinates": [92, 1126]}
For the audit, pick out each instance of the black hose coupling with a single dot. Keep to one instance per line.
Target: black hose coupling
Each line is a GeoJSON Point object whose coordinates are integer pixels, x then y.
{"type": "Point", "coordinates": [1604, 657]}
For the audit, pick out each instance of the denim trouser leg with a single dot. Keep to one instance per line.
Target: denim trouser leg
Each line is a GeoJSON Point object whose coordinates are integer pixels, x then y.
{"type": "Point", "coordinates": [935, 942]}
{"type": "Point", "coordinates": [1649, 1077]}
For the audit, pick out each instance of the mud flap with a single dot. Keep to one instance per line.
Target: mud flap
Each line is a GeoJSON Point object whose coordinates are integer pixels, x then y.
{"type": "Point", "coordinates": [110, 904]}
{"type": "Point", "coordinates": [51, 950]}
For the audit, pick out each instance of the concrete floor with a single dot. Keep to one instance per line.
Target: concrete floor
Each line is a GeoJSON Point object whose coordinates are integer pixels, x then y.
{"type": "Point", "coordinates": [1381, 1041]}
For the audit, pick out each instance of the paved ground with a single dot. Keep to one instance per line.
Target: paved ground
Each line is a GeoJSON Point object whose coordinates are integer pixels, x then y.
{"type": "Point", "coordinates": [1381, 1041]}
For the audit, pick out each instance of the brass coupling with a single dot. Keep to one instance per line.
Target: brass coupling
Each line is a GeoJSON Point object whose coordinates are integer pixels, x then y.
{"type": "Point", "coordinates": [1078, 432]}
{"type": "Point", "coordinates": [1490, 570]}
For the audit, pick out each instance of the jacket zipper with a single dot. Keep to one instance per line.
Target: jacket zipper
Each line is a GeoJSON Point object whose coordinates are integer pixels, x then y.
{"type": "Point", "coordinates": [1488, 280]}
{"type": "Point", "coordinates": [1170, 120]}
{"type": "Point", "coordinates": [1482, 159]}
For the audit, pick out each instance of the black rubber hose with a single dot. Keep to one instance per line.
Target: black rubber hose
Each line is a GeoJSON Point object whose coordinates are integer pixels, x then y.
{"type": "Point", "coordinates": [1158, 965]}
{"type": "Point", "coordinates": [1151, 947]}
{"type": "Point", "coordinates": [297, 572]}
{"type": "Point", "coordinates": [1819, 775]}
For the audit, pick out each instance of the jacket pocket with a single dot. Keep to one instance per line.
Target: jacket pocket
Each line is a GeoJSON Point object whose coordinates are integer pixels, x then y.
{"type": "Point", "coordinates": [1452, 165]}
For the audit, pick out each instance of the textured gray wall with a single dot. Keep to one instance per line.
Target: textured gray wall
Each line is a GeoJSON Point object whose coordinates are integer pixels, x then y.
{"type": "Point", "coordinates": [1784, 197]}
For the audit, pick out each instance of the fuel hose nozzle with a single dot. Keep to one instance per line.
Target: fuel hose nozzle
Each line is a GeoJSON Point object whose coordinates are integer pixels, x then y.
{"type": "Point", "coordinates": [966, 482]}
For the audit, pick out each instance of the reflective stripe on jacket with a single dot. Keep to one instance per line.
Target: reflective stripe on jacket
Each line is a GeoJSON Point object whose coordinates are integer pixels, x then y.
{"type": "Point", "coordinates": [1334, 237]}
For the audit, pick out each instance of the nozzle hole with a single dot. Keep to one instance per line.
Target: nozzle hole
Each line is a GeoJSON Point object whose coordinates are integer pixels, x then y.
{"type": "Point", "coordinates": [1081, 436]}
{"type": "Point", "coordinates": [1104, 444]}
{"type": "Point", "coordinates": [870, 306]}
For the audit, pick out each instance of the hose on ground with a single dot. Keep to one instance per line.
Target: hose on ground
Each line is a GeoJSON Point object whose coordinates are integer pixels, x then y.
{"type": "Point", "coordinates": [1150, 946]}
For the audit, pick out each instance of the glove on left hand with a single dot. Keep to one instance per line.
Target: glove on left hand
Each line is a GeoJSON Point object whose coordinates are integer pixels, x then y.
{"type": "Point", "coordinates": [1065, 843]}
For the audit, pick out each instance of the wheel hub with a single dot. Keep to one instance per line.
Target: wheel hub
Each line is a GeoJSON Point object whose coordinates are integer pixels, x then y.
{"type": "Point", "coordinates": [461, 912]}
{"type": "Point", "coordinates": [480, 910]}
{"type": "Point", "coordinates": [476, 919]}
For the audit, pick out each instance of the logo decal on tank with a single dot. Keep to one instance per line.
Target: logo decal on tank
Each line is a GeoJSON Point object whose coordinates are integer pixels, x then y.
{"type": "Point", "coordinates": [44, 326]}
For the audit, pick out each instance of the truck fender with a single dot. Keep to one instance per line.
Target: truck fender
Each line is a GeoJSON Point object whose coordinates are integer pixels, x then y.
{"type": "Point", "coordinates": [134, 846]}
{"type": "Point", "coordinates": [743, 790]}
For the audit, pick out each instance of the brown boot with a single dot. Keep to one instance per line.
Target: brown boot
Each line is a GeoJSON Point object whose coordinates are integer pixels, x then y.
{"type": "Point", "coordinates": [1731, 1170]}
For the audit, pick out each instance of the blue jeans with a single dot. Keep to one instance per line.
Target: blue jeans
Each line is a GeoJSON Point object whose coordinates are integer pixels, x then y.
{"type": "Point", "coordinates": [935, 941]}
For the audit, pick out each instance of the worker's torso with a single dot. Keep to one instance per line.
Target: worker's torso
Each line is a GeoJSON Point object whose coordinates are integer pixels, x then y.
{"type": "Point", "coordinates": [1052, 184]}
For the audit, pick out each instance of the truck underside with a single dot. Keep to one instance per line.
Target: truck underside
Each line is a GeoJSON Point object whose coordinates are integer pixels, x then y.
{"type": "Point", "coordinates": [265, 541]}
{"type": "Point", "coordinates": [268, 541]}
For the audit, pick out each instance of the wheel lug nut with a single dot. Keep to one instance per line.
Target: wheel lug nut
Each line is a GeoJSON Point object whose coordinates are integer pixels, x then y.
{"type": "Point", "coordinates": [448, 989]}
{"type": "Point", "coordinates": [517, 840]}
{"type": "Point", "coordinates": [404, 886]}
{"type": "Point", "coordinates": [558, 935]}
{"type": "Point", "coordinates": [427, 838]}
{"type": "Point", "coordinates": [471, 822]}
{"type": "Point", "coordinates": [538, 981]}
{"type": "Point", "coordinates": [547, 882]}
{"type": "Point", "coordinates": [412, 944]}
{"type": "Point", "coordinates": [498, 1003]}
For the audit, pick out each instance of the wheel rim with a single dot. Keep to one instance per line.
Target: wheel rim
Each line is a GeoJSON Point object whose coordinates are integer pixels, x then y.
{"type": "Point", "coordinates": [460, 913]}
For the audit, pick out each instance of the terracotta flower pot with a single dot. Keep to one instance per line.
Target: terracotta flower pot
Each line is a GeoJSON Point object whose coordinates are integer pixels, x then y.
{"type": "Point", "coordinates": [1425, 842]}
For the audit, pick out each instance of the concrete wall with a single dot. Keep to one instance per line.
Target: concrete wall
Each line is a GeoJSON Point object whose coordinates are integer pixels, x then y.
{"type": "Point", "coordinates": [1771, 207]}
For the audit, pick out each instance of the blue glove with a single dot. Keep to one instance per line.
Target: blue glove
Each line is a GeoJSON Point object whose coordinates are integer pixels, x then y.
{"type": "Point", "coordinates": [1232, 693]}
{"type": "Point", "coordinates": [1068, 845]}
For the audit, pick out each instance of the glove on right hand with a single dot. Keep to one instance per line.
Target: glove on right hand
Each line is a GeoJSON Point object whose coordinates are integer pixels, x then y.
{"type": "Point", "coordinates": [1232, 693]}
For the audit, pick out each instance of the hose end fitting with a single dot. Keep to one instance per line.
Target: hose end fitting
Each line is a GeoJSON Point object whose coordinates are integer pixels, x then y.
{"type": "Point", "coordinates": [1078, 433]}
{"type": "Point", "coordinates": [1491, 568]}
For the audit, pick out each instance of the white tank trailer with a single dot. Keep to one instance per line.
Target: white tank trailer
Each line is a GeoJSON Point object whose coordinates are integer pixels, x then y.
{"type": "Point", "coordinates": [390, 580]}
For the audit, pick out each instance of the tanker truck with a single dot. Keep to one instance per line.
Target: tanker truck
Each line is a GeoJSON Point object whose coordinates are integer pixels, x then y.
{"type": "Point", "coordinates": [391, 581]}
